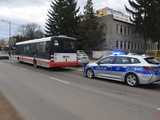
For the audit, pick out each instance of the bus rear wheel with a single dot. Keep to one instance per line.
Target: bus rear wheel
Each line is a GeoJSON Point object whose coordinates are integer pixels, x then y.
{"type": "Point", "coordinates": [34, 63]}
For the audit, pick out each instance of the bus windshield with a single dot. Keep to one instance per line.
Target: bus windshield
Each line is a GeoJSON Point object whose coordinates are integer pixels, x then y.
{"type": "Point", "coordinates": [63, 45]}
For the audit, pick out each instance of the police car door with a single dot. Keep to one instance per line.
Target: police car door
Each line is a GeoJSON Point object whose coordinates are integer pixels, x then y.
{"type": "Point", "coordinates": [119, 67]}
{"type": "Point", "coordinates": [104, 68]}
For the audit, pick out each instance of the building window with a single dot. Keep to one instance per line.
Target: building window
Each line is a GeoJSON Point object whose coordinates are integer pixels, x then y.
{"type": "Point", "coordinates": [133, 30]}
{"type": "Point", "coordinates": [132, 45]}
{"type": "Point", "coordinates": [128, 45]}
{"type": "Point", "coordinates": [128, 31]}
{"type": "Point", "coordinates": [117, 44]}
{"type": "Point", "coordinates": [139, 46]}
{"type": "Point", "coordinates": [135, 46]}
{"type": "Point", "coordinates": [121, 45]}
{"type": "Point", "coordinates": [124, 44]}
{"type": "Point", "coordinates": [142, 46]}
{"type": "Point", "coordinates": [117, 28]}
{"type": "Point", "coordinates": [125, 30]}
{"type": "Point", "coordinates": [121, 30]}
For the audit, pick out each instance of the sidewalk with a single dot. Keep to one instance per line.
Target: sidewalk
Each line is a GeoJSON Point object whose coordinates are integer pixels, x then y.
{"type": "Point", "coordinates": [7, 112]}
{"type": "Point", "coordinates": [79, 69]}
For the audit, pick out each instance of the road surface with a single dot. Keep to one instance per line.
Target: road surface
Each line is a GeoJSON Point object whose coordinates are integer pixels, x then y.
{"type": "Point", "coordinates": [63, 94]}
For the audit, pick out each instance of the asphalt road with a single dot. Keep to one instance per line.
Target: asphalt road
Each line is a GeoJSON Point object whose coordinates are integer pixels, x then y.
{"type": "Point", "coordinates": [63, 94]}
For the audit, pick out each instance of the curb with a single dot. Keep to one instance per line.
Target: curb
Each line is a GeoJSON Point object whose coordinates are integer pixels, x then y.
{"type": "Point", "coordinates": [79, 69]}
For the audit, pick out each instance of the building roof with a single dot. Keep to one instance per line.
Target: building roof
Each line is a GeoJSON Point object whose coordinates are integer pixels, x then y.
{"type": "Point", "coordinates": [117, 15]}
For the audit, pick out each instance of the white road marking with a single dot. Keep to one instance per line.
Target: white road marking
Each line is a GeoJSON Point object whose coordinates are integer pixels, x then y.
{"type": "Point", "coordinates": [61, 81]}
{"type": "Point", "coordinates": [158, 109]}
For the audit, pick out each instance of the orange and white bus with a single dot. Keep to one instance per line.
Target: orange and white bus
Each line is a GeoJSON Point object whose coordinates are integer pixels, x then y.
{"type": "Point", "coordinates": [49, 52]}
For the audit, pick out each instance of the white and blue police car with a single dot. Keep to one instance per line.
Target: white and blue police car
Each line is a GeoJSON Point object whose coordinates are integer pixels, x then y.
{"type": "Point", "coordinates": [129, 68]}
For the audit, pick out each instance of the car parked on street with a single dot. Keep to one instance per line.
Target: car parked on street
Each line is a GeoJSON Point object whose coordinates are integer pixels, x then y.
{"type": "Point", "coordinates": [131, 69]}
{"type": "Point", "coordinates": [82, 57]}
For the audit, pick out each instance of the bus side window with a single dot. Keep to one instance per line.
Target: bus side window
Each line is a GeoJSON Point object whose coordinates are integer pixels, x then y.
{"type": "Point", "coordinates": [41, 49]}
{"type": "Point", "coordinates": [48, 49]}
{"type": "Point", "coordinates": [48, 46]}
{"type": "Point", "coordinates": [26, 49]}
{"type": "Point", "coordinates": [33, 49]}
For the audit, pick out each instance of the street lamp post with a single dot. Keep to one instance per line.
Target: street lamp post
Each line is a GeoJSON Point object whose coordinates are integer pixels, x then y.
{"type": "Point", "coordinates": [9, 27]}
{"type": "Point", "coordinates": [9, 33]}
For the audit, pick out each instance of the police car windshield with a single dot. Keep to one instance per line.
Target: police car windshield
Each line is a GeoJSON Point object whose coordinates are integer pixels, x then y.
{"type": "Point", "coordinates": [152, 60]}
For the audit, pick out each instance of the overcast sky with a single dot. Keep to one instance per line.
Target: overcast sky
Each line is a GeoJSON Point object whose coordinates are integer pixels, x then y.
{"type": "Point", "coordinates": [28, 11]}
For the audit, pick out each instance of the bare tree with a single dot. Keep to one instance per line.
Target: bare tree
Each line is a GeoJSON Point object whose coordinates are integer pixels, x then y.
{"type": "Point", "coordinates": [2, 43]}
{"type": "Point", "coordinates": [31, 31]}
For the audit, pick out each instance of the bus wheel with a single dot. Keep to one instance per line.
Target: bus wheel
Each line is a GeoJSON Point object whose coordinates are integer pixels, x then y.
{"type": "Point", "coordinates": [18, 59]}
{"type": "Point", "coordinates": [34, 63]}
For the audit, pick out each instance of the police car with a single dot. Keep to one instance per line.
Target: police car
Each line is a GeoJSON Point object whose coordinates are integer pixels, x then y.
{"type": "Point", "coordinates": [129, 68]}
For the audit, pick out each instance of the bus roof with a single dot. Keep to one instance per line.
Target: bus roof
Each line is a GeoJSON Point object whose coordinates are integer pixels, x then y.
{"type": "Point", "coordinates": [34, 41]}
{"type": "Point", "coordinates": [64, 36]}
{"type": "Point", "coordinates": [44, 39]}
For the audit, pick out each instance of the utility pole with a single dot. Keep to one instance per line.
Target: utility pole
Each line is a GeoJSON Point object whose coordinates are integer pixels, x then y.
{"type": "Point", "coordinates": [10, 25]}
{"type": "Point", "coordinates": [11, 42]}
{"type": "Point", "coordinates": [10, 29]}
{"type": "Point", "coordinates": [9, 34]}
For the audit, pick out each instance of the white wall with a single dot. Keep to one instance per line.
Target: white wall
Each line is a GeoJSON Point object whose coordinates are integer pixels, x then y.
{"type": "Point", "coordinates": [98, 54]}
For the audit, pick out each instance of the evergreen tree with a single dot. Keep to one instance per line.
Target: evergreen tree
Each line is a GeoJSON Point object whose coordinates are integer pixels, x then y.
{"type": "Point", "coordinates": [145, 15]}
{"type": "Point", "coordinates": [155, 22]}
{"type": "Point", "coordinates": [91, 34]}
{"type": "Point", "coordinates": [62, 18]}
{"type": "Point", "coordinates": [89, 10]}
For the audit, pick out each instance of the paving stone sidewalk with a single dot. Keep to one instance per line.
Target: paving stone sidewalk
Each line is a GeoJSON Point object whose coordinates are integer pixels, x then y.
{"type": "Point", "coordinates": [7, 112]}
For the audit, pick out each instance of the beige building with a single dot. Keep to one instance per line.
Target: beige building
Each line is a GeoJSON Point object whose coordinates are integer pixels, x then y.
{"type": "Point", "coordinates": [120, 33]}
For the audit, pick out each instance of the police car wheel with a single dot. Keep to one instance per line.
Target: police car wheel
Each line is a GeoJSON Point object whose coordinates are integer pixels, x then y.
{"type": "Point", "coordinates": [132, 80]}
{"type": "Point", "coordinates": [90, 73]}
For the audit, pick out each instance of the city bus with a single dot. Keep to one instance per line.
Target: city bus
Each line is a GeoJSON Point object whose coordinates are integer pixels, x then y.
{"type": "Point", "coordinates": [49, 52]}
